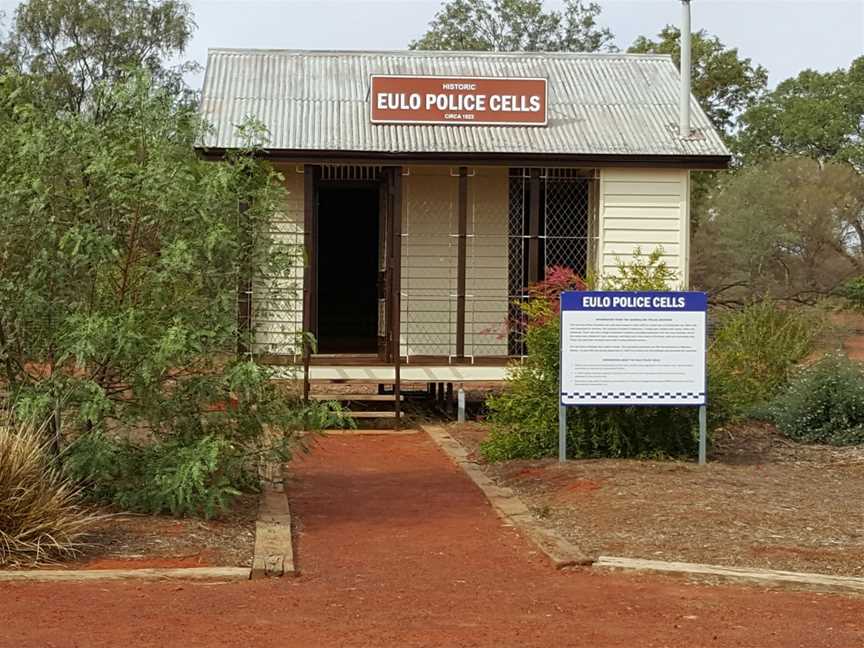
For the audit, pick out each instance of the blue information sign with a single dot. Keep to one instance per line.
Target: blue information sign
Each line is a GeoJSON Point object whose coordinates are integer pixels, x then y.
{"type": "Point", "coordinates": [633, 348]}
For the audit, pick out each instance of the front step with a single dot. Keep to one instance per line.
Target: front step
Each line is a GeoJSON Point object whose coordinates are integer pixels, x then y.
{"type": "Point", "coordinates": [370, 415]}
{"type": "Point", "coordinates": [366, 402]}
{"type": "Point", "coordinates": [355, 397]}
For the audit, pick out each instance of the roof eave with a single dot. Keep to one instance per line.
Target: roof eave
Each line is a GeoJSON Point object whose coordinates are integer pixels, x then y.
{"type": "Point", "coordinates": [315, 156]}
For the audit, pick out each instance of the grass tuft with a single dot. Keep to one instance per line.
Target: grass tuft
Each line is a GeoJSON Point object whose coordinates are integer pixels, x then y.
{"type": "Point", "coordinates": [42, 519]}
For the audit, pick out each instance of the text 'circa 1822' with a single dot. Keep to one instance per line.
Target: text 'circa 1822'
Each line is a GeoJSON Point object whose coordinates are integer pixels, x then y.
{"type": "Point", "coordinates": [458, 100]}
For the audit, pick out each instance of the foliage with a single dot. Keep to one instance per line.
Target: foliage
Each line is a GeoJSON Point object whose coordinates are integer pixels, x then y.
{"type": "Point", "coordinates": [524, 418]}
{"type": "Point", "coordinates": [754, 352]}
{"type": "Point", "coordinates": [188, 474]}
{"type": "Point", "coordinates": [515, 26]}
{"type": "Point", "coordinates": [641, 272]}
{"type": "Point", "coordinates": [724, 83]}
{"type": "Point", "coordinates": [41, 517]}
{"type": "Point", "coordinates": [74, 46]}
{"type": "Point", "coordinates": [817, 115]}
{"type": "Point", "coordinates": [787, 229]}
{"type": "Point", "coordinates": [823, 404]}
{"type": "Point", "coordinates": [853, 292]}
{"type": "Point", "coordinates": [121, 256]}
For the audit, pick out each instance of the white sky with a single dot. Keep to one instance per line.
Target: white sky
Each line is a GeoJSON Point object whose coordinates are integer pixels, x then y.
{"type": "Point", "coordinates": [786, 36]}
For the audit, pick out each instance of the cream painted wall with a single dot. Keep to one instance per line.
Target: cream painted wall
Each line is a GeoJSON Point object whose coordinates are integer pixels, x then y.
{"type": "Point", "coordinates": [645, 208]}
{"type": "Point", "coordinates": [277, 302]}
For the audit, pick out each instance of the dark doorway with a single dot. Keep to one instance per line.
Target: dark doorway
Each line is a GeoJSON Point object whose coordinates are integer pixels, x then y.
{"type": "Point", "coordinates": [347, 262]}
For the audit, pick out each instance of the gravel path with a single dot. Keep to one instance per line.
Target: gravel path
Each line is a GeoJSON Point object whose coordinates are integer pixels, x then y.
{"type": "Point", "coordinates": [398, 548]}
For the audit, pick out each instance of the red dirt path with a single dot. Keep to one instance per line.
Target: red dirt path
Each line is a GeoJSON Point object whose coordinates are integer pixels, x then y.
{"type": "Point", "coordinates": [398, 548]}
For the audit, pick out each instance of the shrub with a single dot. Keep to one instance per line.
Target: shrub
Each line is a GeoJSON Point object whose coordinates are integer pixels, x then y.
{"type": "Point", "coordinates": [753, 353]}
{"type": "Point", "coordinates": [190, 474]}
{"type": "Point", "coordinates": [524, 417]}
{"type": "Point", "coordinates": [824, 403]}
{"type": "Point", "coordinates": [641, 272]}
{"type": "Point", "coordinates": [41, 517]}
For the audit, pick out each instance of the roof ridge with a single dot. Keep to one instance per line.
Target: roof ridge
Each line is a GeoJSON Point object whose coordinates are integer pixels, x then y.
{"type": "Point", "coordinates": [436, 53]}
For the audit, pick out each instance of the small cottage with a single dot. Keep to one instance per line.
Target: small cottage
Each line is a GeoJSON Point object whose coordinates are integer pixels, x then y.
{"type": "Point", "coordinates": [427, 189]}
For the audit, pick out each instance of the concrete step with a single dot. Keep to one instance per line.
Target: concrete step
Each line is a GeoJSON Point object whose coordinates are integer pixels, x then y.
{"type": "Point", "coordinates": [371, 415]}
{"type": "Point", "coordinates": [355, 397]}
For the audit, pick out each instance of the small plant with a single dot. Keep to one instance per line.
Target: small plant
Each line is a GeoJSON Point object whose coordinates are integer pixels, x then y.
{"type": "Point", "coordinates": [41, 516]}
{"type": "Point", "coordinates": [641, 273]}
{"type": "Point", "coordinates": [853, 292]}
{"type": "Point", "coordinates": [824, 403]}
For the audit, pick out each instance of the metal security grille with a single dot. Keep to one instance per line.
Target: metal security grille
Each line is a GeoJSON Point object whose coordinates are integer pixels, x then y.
{"type": "Point", "coordinates": [566, 217]}
{"type": "Point", "coordinates": [351, 173]}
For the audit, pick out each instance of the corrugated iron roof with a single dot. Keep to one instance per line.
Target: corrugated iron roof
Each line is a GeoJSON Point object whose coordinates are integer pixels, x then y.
{"type": "Point", "coordinates": [599, 104]}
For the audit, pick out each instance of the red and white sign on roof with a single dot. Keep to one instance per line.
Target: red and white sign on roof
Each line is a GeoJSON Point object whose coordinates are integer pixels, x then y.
{"type": "Point", "coordinates": [458, 100]}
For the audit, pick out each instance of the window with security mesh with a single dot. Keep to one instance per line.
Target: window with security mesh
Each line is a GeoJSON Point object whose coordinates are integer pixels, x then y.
{"type": "Point", "coordinates": [554, 228]}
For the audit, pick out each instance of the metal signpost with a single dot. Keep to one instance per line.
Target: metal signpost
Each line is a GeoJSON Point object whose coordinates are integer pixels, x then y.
{"type": "Point", "coordinates": [633, 348]}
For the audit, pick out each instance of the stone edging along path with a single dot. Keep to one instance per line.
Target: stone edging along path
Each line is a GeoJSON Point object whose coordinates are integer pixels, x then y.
{"type": "Point", "coordinates": [562, 553]}
{"type": "Point", "coordinates": [273, 554]}
{"type": "Point", "coordinates": [509, 506]}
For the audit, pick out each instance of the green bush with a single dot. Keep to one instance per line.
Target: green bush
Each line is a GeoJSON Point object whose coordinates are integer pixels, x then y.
{"type": "Point", "coordinates": [754, 351]}
{"type": "Point", "coordinates": [824, 403]}
{"type": "Point", "coordinates": [524, 417]}
{"type": "Point", "coordinates": [196, 473]}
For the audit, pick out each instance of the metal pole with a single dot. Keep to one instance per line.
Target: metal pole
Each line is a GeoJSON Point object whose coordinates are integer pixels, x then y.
{"type": "Point", "coordinates": [461, 412]}
{"type": "Point", "coordinates": [684, 109]}
{"type": "Point", "coordinates": [703, 435]}
{"type": "Point", "coordinates": [562, 433]}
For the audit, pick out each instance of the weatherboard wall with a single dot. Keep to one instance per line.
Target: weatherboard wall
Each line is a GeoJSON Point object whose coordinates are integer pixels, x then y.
{"type": "Point", "coordinates": [638, 208]}
{"type": "Point", "coordinates": [277, 301]}
{"type": "Point", "coordinates": [646, 209]}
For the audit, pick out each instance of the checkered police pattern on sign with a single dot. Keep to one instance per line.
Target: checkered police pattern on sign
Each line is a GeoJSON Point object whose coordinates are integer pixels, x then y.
{"type": "Point", "coordinates": [614, 396]}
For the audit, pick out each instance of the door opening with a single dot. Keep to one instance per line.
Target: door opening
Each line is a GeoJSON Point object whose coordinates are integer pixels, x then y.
{"type": "Point", "coordinates": [347, 265]}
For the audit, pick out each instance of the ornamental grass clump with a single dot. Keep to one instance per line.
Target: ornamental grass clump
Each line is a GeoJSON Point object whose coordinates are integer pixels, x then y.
{"type": "Point", "coordinates": [41, 516]}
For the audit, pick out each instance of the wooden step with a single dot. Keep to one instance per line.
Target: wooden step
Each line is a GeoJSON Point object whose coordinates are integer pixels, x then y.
{"type": "Point", "coordinates": [372, 415]}
{"type": "Point", "coordinates": [355, 397]}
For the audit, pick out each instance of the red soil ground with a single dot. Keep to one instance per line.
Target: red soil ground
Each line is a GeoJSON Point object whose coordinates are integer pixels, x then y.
{"type": "Point", "coordinates": [398, 548]}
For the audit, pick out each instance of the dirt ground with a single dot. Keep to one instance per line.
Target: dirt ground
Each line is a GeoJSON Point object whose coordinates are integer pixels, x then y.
{"type": "Point", "coordinates": [762, 501]}
{"type": "Point", "coordinates": [127, 541]}
{"type": "Point", "coordinates": [397, 547]}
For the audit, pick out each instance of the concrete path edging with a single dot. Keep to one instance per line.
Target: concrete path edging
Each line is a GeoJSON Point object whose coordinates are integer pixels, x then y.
{"type": "Point", "coordinates": [560, 552]}
{"type": "Point", "coordinates": [821, 582]}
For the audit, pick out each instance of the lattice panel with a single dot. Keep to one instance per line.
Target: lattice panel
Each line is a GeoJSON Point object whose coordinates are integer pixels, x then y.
{"type": "Point", "coordinates": [566, 210]}
{"type": "Point", "coordinates": [567, 226]}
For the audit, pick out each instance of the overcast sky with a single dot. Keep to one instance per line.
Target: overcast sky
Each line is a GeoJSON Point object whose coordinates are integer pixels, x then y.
{"type": "Point", "coordinates": [786, 36]}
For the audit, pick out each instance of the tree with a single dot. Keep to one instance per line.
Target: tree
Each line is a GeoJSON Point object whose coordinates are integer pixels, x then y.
{"type": "Point", "coordinates": [724, 83]}
{"type": "Point", "coordinates": [75, 45]}
{"type": "Point", "coordinates": [515, 25]}
{"type": "Point", "coordinates": [787, 229]}
{"type": "Point", "coordinates": [818, 115]}
{"type": "Point", "coordinates": [119, 265]}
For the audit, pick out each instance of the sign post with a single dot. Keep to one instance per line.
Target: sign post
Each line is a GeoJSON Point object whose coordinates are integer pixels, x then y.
{"type": "Point", "coordinates": [633, 348]}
